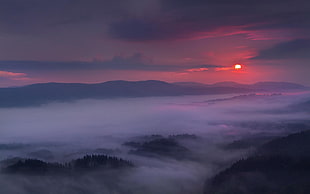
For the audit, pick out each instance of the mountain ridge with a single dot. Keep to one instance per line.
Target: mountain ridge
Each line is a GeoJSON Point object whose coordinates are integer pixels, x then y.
{"type": "Point", "coordinates": [279, 166]}
{"type": "Point", "coordinates": [42, 93]}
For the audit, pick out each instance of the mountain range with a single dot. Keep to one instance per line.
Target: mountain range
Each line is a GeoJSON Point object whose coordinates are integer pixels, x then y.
{"type": "Point", "coordinates": [42, 93]}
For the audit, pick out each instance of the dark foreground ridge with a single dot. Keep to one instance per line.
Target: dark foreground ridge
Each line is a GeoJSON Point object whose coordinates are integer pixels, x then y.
{"type": "Point", "coordinates": [38, 94]}
{"type": "Point", "coordinates": [281, 166]}
{"type": "Point", "coordinates": [86, 164]}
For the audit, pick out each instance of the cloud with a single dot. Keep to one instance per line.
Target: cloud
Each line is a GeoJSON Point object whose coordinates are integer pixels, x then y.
{"type": "Point", "coordinates": [6, 76]}
{"type": "Point", "coordinates": [60, 128]}
{"type": "Point", "coordinates": [223, 68]}
{"type": "Point", "coordinates": [136, 61]}
{"type": "Point", "coordinates": [142, 30]}
{"type": "Point", "coordinates": [203, 68]}
{"type": "Point", "coordinates": [39, 17]}
{"type": "Point", "coordinates": [295, 49]}
{"type": "Point", "coordinates": [190, 19]}
{"type": "Point", "coordinates": [133, 62]}
{"type": "Point", "coordinates": [198, 69]}
{"type": "Point", "coordinates": [152, 20]}
{"type": "Point", "coordinates": [11, 74]}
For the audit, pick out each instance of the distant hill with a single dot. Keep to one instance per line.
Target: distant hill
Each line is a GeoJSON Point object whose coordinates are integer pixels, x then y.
{"type": "Point", "coordinates": [38, 94]}
{"type": "Point", "coordinates": [157, 145]}
{"type": "Point", "coordinates": [251, 96]}
{"type": "Point", "coordinates": [296, 145]}
{"type": "Point", "coordinates": [166, 147]}
{"type": "Point", "coordinates": [300, 107]}
{"type": "Point", "coordinates": [281, 166]}
{"type": "Point", "coordinates": [230, 84]}
{"type": "Point", "coordinates": [264, 86]}
{"type": "Point", "coordinates": [86, 164]}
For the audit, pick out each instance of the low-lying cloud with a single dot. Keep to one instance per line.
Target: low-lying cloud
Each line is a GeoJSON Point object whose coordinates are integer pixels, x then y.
{"type": "Point", "coordinates": [65, 131]}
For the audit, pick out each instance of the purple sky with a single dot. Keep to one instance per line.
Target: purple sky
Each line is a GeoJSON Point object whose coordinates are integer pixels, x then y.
{"type": "Point", "coordinates": [172, 40]}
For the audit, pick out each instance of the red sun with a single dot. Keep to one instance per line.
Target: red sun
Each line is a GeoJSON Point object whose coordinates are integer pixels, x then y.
{"type": "Point", "coordinates": [237, 66]}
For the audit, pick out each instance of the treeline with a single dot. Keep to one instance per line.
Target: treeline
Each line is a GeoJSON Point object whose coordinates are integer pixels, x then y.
{"type": "Point", "coordinates": [85, 164]}
{"type": "Point", "coordinates": [281, 166]}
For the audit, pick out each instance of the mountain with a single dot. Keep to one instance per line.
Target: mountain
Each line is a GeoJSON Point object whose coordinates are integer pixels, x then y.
{"type": "Point", "coordinates": [278, 86]}
{"type": "Point", "coordinates": [281, 166]}
{"type": "Point", "coordinates": [191, 84]}
{"type": "Point", "coordinates": [38, 94]}
{"type": "Point", "coordinates": [259, 86]}
{"type": "Point", "coordinates": [230, 84]}
{"type": "Point", "coordinates": [166, 147]}
{"type": "Point", "coordinates": [251, 96]}
{"type": "Point", "coordinates": [295, 145]}
{"type": "Point", "coordinates": [264, 86]}
{"type": "Point", "coordinates": [300, 107]}
{"type": "Point", "coordinates": [86, 164]}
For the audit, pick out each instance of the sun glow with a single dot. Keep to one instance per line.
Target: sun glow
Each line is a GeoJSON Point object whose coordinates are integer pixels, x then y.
{"type": "Point", "coordinates": [238, 66]}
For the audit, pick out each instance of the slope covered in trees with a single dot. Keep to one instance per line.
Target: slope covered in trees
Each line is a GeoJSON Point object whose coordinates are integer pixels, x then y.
{"type": "Point", "coordinates": [85, 164]}
{"type": "Point", "coordinates": [281, 166]}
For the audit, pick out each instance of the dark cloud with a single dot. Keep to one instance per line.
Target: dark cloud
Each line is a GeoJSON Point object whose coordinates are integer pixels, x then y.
{"type": "Point", "coordinates": [296, 49]}
{"type": "Point", "coordinates": [149, 30]}
{"type": "Point", "coordinates": [41, 16]}
{"type": "Point", "coordinates": [130, 20]}
{"type": "Point", "coordinates": [134, 62]}
{"type": "Point", "coordinates": [140, 30]}
{"type": "Point", "coordinates": [186, 19]}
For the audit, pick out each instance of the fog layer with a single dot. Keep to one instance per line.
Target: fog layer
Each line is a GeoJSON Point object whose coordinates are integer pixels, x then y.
{"type": "Point", "coordinates": [65, 131]}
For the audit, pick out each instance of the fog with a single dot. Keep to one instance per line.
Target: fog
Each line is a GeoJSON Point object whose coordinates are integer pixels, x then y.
{"type": "Point", "coordinates": [60, 132]}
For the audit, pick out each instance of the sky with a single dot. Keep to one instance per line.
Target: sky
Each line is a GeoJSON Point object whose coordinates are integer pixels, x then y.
{"type": "Point", "coordinates": [90, 41]}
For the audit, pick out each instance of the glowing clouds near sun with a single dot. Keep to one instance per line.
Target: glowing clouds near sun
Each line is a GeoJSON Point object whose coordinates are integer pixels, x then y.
{"type": "Point", "coordinates": [200, 69]}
